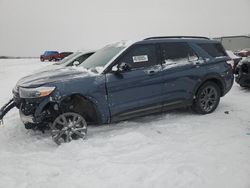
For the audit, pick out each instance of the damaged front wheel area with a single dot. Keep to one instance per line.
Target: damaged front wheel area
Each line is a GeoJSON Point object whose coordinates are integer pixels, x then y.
{"type": "Point", "coordinates": [67, 127]}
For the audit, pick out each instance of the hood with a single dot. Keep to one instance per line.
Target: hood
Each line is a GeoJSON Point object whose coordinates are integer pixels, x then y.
{"type": "Point", "coordinates": [52, 76]}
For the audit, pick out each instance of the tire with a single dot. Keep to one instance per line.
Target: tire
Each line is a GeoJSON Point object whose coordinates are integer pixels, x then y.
{"type": "Point", "coordinates": [67, 127]}
{"type": "Point", "coordinates": [207, 98]}
{"type": "Point", "coordinates": [42, 59]}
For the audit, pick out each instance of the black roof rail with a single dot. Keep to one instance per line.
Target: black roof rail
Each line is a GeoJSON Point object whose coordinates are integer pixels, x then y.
{"type": "Point", "coordinates": [168, 37]}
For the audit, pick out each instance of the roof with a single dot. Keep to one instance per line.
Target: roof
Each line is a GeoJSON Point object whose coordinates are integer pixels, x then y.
{"type": "Point", "coordinates": [196, 39]}
{"type": "Point", "coordinates": [178, 37]}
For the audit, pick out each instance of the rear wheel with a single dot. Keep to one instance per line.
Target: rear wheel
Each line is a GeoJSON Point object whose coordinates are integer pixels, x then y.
{"type": "Point", "coordinates": [207, 98]}
{"type": "Point", "coordinates": [67, 127]}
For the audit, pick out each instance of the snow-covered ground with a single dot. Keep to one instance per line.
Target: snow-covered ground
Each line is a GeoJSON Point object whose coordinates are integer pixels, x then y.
{"type": "Point", "coordinates": [178, 149]}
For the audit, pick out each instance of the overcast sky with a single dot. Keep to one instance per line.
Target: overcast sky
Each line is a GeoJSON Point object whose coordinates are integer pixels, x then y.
{"type": "Point", "coordinates": [28, 27]}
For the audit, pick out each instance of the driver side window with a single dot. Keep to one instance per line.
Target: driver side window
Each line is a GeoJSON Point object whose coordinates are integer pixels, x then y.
{"type": "Point", "coordinates": [140, 56]}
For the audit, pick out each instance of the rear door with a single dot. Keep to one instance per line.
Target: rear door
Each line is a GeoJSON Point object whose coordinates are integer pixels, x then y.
{"type": "Point", "coordinates": [138, 91]}
{"type": "Point", "coordinates": [182, 68]}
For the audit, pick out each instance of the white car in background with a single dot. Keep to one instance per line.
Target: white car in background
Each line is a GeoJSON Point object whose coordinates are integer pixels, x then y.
{"type": "Point", "coordinates": [74, 59]}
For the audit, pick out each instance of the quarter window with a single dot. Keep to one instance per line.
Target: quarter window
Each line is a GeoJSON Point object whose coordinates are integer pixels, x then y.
{"type": "Point", "coordinates": [213, 49]}
{"type": "Point", "coordinates": [177, 51]}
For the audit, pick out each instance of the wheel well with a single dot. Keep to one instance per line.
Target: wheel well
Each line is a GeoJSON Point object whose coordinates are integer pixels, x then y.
{"type": "Point", "coordinates": [217, 82]}
{"type": "Point", "coordinates": [82, 105]}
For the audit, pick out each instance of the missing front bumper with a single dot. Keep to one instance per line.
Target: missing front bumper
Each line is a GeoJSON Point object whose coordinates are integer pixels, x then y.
{"type": "Point", "coordinates": [26, 118]}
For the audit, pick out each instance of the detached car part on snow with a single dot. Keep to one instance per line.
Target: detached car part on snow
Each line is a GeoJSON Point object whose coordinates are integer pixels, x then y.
{"type": "Point", "coordinates": [5, 109]}
{"type": "Point", "coordinates": [243, 73]}
{"type": "Point", "coordinates": [122, 81]}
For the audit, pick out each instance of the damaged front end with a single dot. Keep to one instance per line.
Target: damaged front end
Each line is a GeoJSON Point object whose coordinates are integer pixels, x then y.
{"type": "Point", "coordinates": [35, 107]}
{"type": "Point", "coordinates": [57, 101]}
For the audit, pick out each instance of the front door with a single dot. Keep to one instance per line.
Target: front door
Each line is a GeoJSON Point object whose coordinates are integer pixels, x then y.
{"type": "Point", "coordinates": [136, 91]}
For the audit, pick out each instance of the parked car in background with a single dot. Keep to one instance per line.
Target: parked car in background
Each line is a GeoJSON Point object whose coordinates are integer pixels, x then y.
{"type": "Point", "coordinates": [122, 81]}
{"type": "Point", "coordinates": [54, 55]}
{"type": "Point", "coordinates": [235, 59]}
{"type": "Point", "coordinates": [243, 53]}
{"type": "Point", "coordinates": [49, 55]}
{"type": "Point", "coordinates": [74, 59]}
{"type": "Point", "coordinates": [242, 72]}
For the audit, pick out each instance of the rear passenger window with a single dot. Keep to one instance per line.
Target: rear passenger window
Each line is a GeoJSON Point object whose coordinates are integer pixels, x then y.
{"type": "Point", "coordinates": [213, 49]}
{"type": "Point", "coordinates": [140, 56]}
{"type": "Point", "coordinates": [178, 51]}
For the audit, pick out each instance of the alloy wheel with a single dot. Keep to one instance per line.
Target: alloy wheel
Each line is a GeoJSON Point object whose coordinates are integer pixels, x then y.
{"type": "Point", "coordinates": [67, 127]}
{"type": "Point", "coordinates": [208, 98]}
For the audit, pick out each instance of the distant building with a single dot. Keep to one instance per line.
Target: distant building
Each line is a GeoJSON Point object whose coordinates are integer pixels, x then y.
{"type": "Point", "coordinates": [235, 43]}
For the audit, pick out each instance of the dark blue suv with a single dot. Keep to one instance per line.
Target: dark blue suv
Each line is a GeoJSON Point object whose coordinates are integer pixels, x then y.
{"type": "Point", "coordinates": [125, 80]}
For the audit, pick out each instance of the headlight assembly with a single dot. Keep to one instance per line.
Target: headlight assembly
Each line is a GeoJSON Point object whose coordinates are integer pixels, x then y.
{"type": "Point", "coordinates": [35, 92]}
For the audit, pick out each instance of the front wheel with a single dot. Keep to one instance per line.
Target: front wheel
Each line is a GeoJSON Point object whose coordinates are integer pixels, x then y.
{"type": "Point", "coordinates": [67, 127]}
{"type": "Point", "coordinates": [207, 98]}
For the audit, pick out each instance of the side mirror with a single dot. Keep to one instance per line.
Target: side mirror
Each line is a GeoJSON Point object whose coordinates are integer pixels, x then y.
{"type": "Point", "coordinates": [121, 67]}
{"type": "Point", "coordinates": [76, 63]}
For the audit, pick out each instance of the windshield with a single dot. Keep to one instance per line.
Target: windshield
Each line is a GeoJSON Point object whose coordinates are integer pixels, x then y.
{"type": "Point", "coordinates": [68, 58]}
{"type": "Point", "coordinates": [101, 57]}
